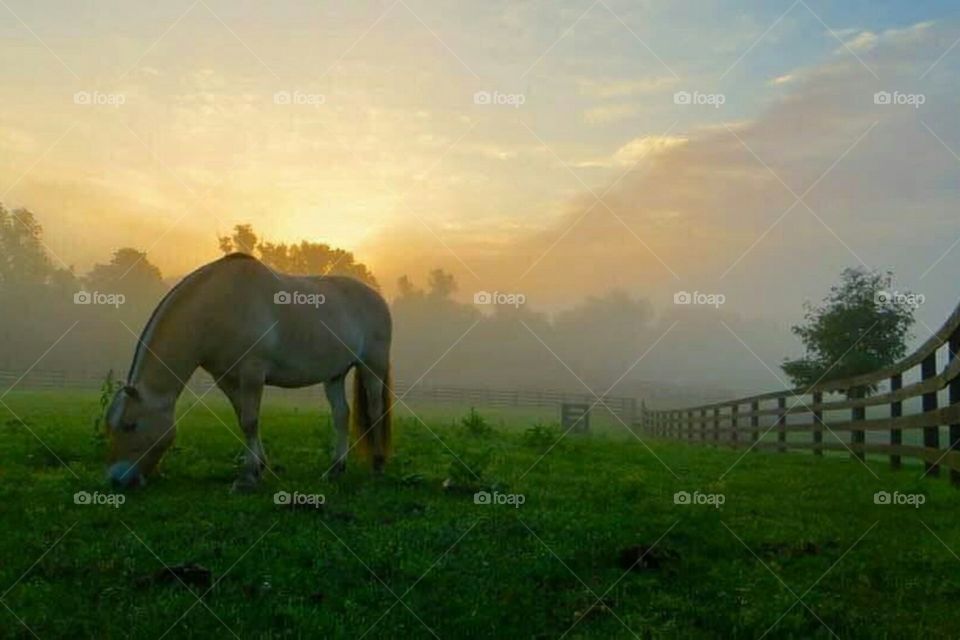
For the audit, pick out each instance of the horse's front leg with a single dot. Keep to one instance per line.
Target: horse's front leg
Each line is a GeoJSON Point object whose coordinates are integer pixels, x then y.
{"type": "Point", "coordinates": [245, 396]}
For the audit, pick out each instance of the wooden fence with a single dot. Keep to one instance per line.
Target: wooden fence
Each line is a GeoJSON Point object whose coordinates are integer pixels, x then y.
{"type": "Point", "coordinates": [799, 418]}
{"type": "Point", "coordinates": [624, 408]}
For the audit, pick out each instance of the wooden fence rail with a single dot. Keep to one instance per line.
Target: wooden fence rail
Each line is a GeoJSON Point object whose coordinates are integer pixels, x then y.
{"type": "Point", "coordinates": [625, 408]}
{"type": "Point", "coordinates": [806, 411]}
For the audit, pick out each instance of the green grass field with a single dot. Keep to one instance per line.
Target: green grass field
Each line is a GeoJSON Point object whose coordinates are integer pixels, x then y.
{"type": "Point", "coordinates": [798, 549]}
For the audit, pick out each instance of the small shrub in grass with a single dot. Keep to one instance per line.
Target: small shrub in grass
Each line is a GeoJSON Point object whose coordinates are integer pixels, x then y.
{"type": "Point", "coordinates": [541, 435]}
{"type": "Point", "coordinates": [474, 424]}
{"type": "Point", "coordinates": [468, 470]}
{"type": "Point", "coordinates": [108, 388]}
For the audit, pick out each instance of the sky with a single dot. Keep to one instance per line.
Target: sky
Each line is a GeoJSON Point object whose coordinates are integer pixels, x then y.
{"type": "Point", "coordinates": [544, 148]}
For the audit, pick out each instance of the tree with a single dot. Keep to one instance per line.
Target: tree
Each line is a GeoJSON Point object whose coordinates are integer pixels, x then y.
{"type": "Point", "coordinates": [130, 273]}
{"type": "Point", "coordinates": [441, 285]}
{"type": "Point", "coordinates": [858, 328]}
{"type": "Point", "coordinates": [23, 257]}
{"type": "Point", "coordinates": [242, 240]}
{"type": "Point", "coordinates": [406, 288]}
{"type": "Point", "coordinates": [305, 258]}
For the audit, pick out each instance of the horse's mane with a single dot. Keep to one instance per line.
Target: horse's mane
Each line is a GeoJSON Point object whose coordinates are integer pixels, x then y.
{"type": "Point", "coordinates": [170, 295]}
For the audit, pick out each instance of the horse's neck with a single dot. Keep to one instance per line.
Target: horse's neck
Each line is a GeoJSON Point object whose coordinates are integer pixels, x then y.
{"type": "Point", "coordinates": [164, 362]}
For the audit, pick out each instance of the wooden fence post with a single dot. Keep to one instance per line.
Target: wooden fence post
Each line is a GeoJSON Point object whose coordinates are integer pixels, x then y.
{"type": "Point", "coordinates": [781, 424]}
{"type": "Point", "coordinates": [858, 414]}
{"type": "Point", "coordinates": [817, 424]}
{"type": "Point", "coordinates": [931, 435]}
{"type": "Point", "coordinates": [896, 410]}
{"type": "Point", "coordinates": [703, 425]}
{"type": "Point", "coordinates": [954, 347]}
{"type": "Point", "coordinates": [716, 426]}
{"type": "Point", "coordinates": [690, 424]}
{"type": "Point", "coordinates": [755, 420]}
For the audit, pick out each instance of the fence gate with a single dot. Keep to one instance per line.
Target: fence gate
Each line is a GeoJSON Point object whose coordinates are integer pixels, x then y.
{"type": "Point", "coordinates": [575, 417]}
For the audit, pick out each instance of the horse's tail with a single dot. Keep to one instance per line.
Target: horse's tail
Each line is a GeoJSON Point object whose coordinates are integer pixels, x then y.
{"type": "Point", "coordinates": [372, 404]}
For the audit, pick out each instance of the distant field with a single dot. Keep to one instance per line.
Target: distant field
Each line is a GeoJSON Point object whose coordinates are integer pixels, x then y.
{"type": "Point", "coordinates": [798, 548]}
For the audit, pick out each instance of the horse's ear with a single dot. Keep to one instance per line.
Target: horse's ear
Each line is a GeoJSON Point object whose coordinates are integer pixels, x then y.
{"type": "Point", "coordinates": [131, 392]}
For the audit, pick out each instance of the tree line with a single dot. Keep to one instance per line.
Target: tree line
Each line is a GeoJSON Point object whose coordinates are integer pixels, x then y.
{"type": "Point", "coordinates": [600, 340]}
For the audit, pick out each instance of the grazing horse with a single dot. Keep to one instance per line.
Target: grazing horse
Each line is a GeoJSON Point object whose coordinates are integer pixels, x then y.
{"type": "Point", "coordinates": [248, 327]}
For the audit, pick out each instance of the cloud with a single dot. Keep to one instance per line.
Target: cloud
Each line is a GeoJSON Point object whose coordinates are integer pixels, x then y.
{"type": "Point", "coordinates": [605, 88]}
{"type": "Point", "coordinates": [715, 200]}
{"type": "Point", "coordinates": [719, 200]}
{"type": "Point", "coordinates": [609, 113]}
{"type": "Point", "coordinates": [643, 147]}
{"type": "Point", "coordinates": [861, 41]}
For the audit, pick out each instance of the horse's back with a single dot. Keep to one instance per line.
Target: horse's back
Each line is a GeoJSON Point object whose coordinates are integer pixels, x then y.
{"type": "Point", "coordinates": [306, 328]}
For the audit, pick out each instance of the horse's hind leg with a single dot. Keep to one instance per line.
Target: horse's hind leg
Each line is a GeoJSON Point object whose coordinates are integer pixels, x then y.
{"type": "Point", "coordinates": [373, 385]}
{"type": "Point", "coordinates": [245, 395]}
{"type": "Point", "coordinates": [336, 391]}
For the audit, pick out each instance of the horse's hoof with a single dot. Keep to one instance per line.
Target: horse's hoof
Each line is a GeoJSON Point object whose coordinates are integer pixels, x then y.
{"type": "Point", "coordinates": [337, 470]}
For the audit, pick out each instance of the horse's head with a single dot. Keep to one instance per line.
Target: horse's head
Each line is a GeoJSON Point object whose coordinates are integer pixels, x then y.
{"type": "Point", "coordinates": [141, 429]}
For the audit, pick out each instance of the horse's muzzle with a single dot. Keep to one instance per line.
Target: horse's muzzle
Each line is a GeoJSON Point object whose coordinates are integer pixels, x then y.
{"type": "Point", "coordinates": [124, 474]}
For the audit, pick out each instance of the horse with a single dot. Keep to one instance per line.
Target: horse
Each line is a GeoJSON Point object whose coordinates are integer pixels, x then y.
{"type": "Point", "coordinates": [249, 326]}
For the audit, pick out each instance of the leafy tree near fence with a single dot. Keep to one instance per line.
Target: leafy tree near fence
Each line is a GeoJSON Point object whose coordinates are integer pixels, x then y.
{"type": "Point", "coordinates": [859, 327]}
